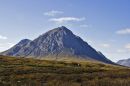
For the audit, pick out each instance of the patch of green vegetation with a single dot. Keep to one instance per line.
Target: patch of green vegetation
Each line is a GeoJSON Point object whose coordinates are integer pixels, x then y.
{"type": "Point", "coordinates": [32, 72]}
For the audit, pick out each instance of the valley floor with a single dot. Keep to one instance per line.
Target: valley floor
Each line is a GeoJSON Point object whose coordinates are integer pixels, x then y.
{"type": "Point", "coordinates": [32, 72]}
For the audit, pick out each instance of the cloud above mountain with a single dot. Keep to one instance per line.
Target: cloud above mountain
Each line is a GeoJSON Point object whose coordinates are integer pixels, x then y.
{"type": "Point", "coordinates": [66, 19]}
{"type": "Point", "coordinates": [124, 31]}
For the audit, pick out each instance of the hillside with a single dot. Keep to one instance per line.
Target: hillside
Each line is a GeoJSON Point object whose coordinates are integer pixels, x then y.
{"type": "Point", "coordinates": [124, 62]}
{"type": "Point", "coordinates": [31, 72]}
{"type": "Point", "coordinates": [58, 42]}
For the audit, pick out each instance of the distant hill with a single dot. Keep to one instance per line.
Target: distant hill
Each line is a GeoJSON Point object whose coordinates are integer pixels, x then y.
{"type": "Point", "coordinates": [124, 62]}
{"type": "Point", "coordinates": [57, 43]}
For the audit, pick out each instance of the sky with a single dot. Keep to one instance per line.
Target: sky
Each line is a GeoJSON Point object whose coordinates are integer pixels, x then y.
{"type": "Point", "coordinates": [104, 24]}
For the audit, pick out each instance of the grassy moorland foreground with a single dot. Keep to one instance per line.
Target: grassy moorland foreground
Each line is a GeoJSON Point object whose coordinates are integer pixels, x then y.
{"type": "Point", "coordinates": [31, 72]}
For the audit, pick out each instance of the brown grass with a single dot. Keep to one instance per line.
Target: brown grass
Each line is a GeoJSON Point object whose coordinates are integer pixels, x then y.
{"type": "Point", "coordinates": [32, 72]}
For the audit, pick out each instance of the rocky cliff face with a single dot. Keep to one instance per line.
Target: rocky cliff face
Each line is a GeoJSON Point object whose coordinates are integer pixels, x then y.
{"type": "Point", "coordinates": [59, 41]}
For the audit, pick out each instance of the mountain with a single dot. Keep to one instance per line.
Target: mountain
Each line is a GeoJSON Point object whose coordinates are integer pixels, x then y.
{"type": "Point", "coordinates": [125, 62]}
{"type": "Point", "coordinates": [58, 42]}
{"type": "Point", "coordinates": [15, 49]}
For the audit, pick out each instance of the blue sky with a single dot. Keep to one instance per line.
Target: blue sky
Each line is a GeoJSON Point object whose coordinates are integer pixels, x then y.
{"type": "Point", "coordinates": [104, 24]}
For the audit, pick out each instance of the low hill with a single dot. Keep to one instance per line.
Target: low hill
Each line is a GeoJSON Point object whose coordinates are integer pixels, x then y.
{"type": "Point", "coordinates": [33, 72]}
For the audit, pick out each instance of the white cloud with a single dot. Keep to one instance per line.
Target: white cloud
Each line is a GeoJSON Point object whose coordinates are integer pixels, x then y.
{"type": "Point", "coordinates": [66, 19]}
{"type": "Point", "coordinates": [3, 37]}
{"type": "Point", "coordinates": [127, 46]}
{"type": "Point", "coordinates": [52, 13]}
{"type": "Point", "coordinates": [105, 45]}
{"type": "Point", "coordinates": [124, 31]}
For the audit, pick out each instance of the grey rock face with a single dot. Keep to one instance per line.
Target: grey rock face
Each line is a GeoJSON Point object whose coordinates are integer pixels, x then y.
{"type": "Point", "coordinates": [125, 62]}
{"type": "Point", "coordinates": [59, 41]}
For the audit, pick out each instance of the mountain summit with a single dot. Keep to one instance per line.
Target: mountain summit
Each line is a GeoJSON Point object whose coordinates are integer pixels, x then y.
{"type": "Point", "coordinates": [57, 42]}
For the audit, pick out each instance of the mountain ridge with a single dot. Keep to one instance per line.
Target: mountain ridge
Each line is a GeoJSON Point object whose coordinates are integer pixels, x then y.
{"type": "Point", "coordinates": [56, 42]}
{"type": "Point", "coordinates": [124, 62]}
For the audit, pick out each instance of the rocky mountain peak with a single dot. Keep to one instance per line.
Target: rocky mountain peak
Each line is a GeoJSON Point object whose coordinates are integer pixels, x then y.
{"type": "Point", "coordinates": [56, 42]}
{"type": "Point", "coordinates": [59, 31]}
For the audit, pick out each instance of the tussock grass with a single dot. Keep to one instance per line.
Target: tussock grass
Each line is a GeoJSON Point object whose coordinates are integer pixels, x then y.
{"type": "Point", "coordinates": [31, 72]}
